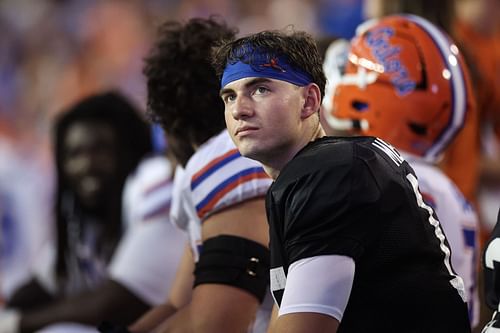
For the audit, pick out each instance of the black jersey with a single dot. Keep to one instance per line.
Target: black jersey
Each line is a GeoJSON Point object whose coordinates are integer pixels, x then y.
{"type": "Point", "coordinates": [491, 269]}
{"type": "Point", "coordinates": [357, 197]}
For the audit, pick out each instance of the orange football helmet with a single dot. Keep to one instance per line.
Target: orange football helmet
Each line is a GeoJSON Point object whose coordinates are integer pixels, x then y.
{"type": "Point", "coordinates": [404, 82]}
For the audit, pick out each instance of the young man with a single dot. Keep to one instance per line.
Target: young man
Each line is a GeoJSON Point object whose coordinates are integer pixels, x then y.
{"type": "Point", "coordinates": [420, 123]}
{"type": "Point", "coordinates": [354, 248]}
{"type": "Point", "coordinates": [218, 197]}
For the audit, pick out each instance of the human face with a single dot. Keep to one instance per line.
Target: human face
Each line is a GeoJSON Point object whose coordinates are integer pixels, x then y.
{"type": "Point", "coordinates": [264, 118]}
{"type": "Point", "coordinates": [89, 162]}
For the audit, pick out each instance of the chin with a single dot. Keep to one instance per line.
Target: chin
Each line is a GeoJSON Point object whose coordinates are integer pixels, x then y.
{"type": "Point", "coordinates": [251, 154]}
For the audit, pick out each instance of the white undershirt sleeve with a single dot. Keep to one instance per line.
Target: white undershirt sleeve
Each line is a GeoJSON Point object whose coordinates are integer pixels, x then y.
{"type": "Point", "coordinates": [319, 284]}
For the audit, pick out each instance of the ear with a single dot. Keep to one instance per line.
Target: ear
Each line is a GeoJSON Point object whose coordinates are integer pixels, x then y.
{"type": "Point", "coordinates": [312, 100]}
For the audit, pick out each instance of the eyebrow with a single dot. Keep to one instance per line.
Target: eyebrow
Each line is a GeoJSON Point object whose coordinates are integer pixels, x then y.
{"type": "Point", "coordinates": [255, 81]}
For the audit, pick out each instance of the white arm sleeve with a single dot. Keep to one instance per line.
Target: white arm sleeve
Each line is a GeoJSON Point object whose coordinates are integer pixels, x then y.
{"type": "Point", "coordinates": [319, 284]}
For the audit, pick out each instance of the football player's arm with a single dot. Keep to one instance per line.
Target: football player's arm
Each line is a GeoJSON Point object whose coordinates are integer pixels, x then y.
{"type": "Point", "coordinates": [306, 322]}
{"type": "Point", "coordinates": [30, 295]}
{"type": "Point", "coordinates": [272, 321]}
{"type": "Point", "coordinates": [221, 307]}
{"type": "Point", "coordinates": [321, 308]}
{"type": "Point", "coordinates": [179, 296]}
{"type": "Point", "coordinates": [111, 300]}
{"type": "Point", "coordinates": [41, 288]}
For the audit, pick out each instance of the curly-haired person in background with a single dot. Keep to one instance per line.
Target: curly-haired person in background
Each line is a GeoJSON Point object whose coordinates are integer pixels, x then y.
{"type": "Point", "coordinates": [218, 198]}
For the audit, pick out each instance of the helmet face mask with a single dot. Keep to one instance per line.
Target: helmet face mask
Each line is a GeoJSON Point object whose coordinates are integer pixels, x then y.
{"type": "Point", "coordinates": [405, 80]}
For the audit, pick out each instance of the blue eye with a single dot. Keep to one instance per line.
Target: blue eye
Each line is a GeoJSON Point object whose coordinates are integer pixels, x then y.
{"type": "Point", "coordinates": [228, 98]}
{"type": "Point", "coordinates": [261, 90]}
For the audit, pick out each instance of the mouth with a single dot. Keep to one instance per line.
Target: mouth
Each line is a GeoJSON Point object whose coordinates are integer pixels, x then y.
{"type": "Point", "coordinates": [90, 184]}
{"type": "Point", "coordinates": [243, 130]}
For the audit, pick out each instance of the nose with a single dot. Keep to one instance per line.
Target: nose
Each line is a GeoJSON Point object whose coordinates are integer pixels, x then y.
{"type": "Point", "coordinates": [80, 164]}
{"type": "Point", "coordinates": [83, 163]}
{"type": "Point", "coordinates": [242, 108]}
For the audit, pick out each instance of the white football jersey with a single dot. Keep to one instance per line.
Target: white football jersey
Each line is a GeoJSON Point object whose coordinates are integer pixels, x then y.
{"type": "Point", "coordinates": [460, 224]}
{"type": "Point", "coordinates": [217, 177]}
{"type": "Point", "coordinates": [148, 254]}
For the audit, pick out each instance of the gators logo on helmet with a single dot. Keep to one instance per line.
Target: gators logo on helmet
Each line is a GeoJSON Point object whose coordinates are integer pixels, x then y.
{"type": "Point", "coordinates": [404, 82]}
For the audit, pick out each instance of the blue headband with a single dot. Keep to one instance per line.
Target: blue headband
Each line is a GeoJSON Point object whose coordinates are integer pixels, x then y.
{"type": "Point", "coordinates": [264, 66]}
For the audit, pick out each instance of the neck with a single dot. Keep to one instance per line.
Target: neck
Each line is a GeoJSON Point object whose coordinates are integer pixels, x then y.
{"type": "Point", "coordinates": [274, 165]}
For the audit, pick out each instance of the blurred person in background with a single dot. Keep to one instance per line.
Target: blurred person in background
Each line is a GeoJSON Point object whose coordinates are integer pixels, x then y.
{"type": "Point", "coordinates": [418, 110]}
{"type": "Point", "coordinates": [98, 142]}
{"type": "Point", "coordinates": [477, 28]}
